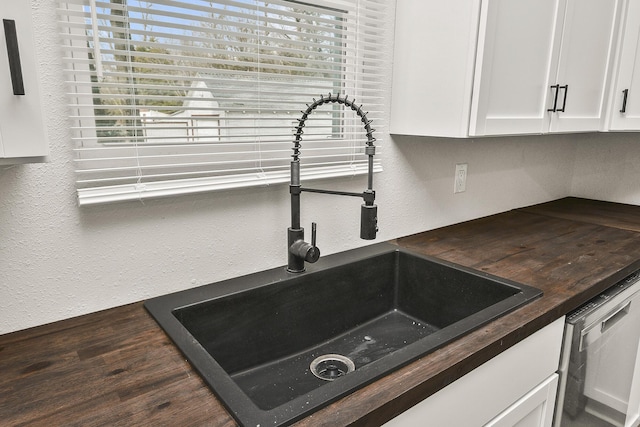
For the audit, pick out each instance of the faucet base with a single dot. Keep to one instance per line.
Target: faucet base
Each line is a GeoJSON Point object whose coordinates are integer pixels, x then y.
{"type": "Point", "coordinates": [295, 264]}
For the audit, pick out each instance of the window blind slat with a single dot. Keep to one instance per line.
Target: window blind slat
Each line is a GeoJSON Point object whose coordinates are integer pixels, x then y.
{"type": "Point", "coordinates": [196, 95]}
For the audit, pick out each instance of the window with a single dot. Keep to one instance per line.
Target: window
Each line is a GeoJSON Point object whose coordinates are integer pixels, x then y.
{"type": "Point", "coordinates": [181, 96]}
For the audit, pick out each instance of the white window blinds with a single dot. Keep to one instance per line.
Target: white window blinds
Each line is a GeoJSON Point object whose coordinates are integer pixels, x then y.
{"type": "Point", "coordinates": [180, 96]}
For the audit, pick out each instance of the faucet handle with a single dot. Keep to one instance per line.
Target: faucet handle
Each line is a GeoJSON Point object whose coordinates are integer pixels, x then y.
{"type": "Point", "coordinates": [301, 251]}
{"type": "Point", "coordinates": [313, 252]}
{"type": "Point", "coordinates": [313, 234]}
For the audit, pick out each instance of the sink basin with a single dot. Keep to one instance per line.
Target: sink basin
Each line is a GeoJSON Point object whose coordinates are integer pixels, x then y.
{"type": "Point", "coordinates": [275, 346]}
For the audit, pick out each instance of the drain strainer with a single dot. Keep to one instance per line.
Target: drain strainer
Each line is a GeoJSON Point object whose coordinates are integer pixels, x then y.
{"type": "Point", "coordinates": [331, 366]}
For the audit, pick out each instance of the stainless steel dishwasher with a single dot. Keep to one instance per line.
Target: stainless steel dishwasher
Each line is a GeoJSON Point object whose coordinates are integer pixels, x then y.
{"type": "Point", "coordinates": [600, 366]}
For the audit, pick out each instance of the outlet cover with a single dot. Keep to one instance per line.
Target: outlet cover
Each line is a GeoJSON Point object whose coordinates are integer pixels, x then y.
{"type": "Point", "coordinates": [460, 182]}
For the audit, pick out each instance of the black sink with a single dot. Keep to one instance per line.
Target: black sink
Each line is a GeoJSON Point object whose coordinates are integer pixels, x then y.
{"type": "Point", "coordinates": [354, 316]}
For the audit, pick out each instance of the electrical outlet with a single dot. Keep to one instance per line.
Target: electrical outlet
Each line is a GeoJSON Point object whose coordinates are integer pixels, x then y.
{"type": "Point", "coordinates": [460, 183]}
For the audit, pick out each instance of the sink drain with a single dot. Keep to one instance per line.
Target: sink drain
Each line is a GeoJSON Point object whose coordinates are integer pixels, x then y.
{"type": "Point", "coordinates": [331, 366]}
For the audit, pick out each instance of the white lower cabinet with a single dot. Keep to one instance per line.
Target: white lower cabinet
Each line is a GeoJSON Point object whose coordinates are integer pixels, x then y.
{"type": "Point", "coordinates": [535, 409]}
{"type": "Point", "coordinates": [515, 388]}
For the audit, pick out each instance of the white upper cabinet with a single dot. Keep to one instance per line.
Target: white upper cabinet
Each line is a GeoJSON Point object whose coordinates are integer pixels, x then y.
{"type": "Point", "coordinates": [435, 45]}
{"type": "Point", "coordinates": [22, 136]}
{"type": "Point", "coordinates": [625, 96]}
{"type": "Point", "coordinates": [499, 67]}
{"type": "Point", "coordinates": [584, 68]}
{"type": "Point", "coordinates": [517, 51]}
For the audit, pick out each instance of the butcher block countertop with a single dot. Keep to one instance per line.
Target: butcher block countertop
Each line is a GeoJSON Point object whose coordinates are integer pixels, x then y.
{"type": "Point", "coordinates": [117, 367]}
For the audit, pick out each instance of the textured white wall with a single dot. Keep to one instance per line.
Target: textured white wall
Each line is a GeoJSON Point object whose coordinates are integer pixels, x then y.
{"type": "Point", "coordinates": [58, 261]}
{"type": "Point", "coordinates": [607, 167]}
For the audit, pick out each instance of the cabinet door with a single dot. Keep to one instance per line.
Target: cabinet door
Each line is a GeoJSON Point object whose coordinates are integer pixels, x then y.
{"type": "Point", "coordinates": [535, 409]}
{"type": "Point", "coordinates": [517, 48]}
{"type": "Point", "coordinates": [626, 115]}
{"type": "Point", "coordinates": [21, 127]}
{"type": "Point", "coordinates": [435, 47]}
{"type": "Point", "coordinates": [584, 65]}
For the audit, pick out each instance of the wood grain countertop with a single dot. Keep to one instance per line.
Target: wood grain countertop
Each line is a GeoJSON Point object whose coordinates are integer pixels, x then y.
{"type": "Point", "coordinates": [117, 367]}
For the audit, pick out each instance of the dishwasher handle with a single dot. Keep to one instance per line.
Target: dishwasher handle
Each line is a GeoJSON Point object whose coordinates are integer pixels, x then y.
{"type": "Point", "coordinates": [605, 323]}
{"type": "Point", "coordinates": [615, 317]}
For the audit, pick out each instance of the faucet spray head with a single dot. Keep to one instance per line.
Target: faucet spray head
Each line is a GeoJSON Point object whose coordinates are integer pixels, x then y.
{"type": "Point", "coordinates": [368, 221]}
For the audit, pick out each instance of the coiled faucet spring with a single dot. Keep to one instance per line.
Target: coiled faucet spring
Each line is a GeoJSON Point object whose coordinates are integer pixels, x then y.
{"type": "Point", "coordinates": [333, 99]}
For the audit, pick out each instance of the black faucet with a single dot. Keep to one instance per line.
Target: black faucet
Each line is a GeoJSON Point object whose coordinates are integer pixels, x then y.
{"type": "Point", "coordinates": [300, 251]}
